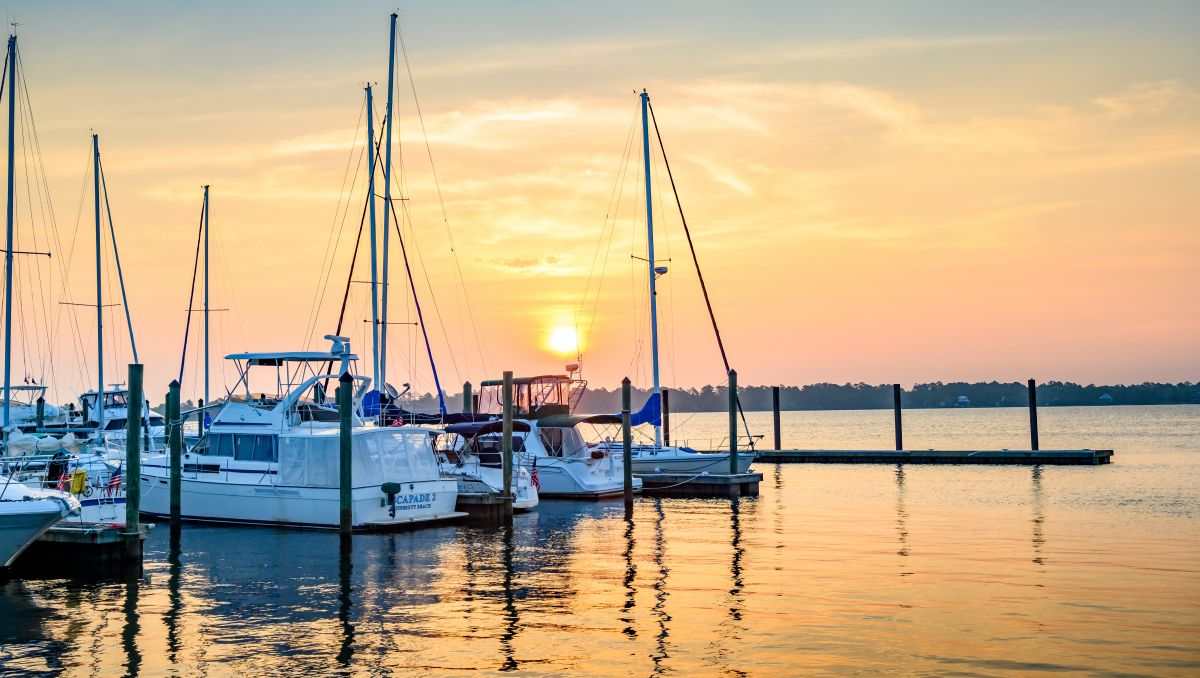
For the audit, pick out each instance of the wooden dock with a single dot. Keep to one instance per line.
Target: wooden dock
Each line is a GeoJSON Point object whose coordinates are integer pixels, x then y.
{"type": "Point", "coordinates": [74, 549]}
{"type": "Point", "coordinates": [702, 485]}
{"type": "Point", "coordinates": [997, 457]}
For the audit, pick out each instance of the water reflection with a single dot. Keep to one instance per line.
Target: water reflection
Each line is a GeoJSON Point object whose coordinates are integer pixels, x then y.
{"type": "Point", "coordinates": [1039, 516]}
{"type": "Point", "coordinates": [659, 610]}
{"type": "Point", "coordinates": [345, 602]}
{"type": "Point", "coordinates": [630, 577]}
{"type": "Point", "coordinates": [512, 618]}
{"type": "Point", "coordinates": [901, 516]}
{"type": "Point", "coordinates": [174, 596]}
{"type": "Point", "coordinates": [129, 633]}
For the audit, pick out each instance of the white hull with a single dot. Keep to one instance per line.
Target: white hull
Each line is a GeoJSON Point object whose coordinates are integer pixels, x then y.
{"type": "Point", "coordinates": [673, 460]}
{"type": "Point", "coordinates": [575, 477]}
{"type": "Point", "coordinates": [266, 504]}
{"type": "Point", "coordinates": [476, 478]}
{"type": "Point", "coordinates": [25, 514]}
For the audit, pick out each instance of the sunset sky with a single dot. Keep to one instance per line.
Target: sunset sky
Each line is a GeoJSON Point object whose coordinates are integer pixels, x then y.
{"type": "Point", "coordinates": [878, 192]}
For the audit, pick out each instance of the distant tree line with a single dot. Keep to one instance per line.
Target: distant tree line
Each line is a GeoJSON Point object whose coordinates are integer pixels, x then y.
{"type": "Point", "coordinates": [879, 396]}
{"type": "Point", "coordinates": [875, 396]}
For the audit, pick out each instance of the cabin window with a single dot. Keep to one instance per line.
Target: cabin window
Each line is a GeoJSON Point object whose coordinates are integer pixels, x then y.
{"type": "Point", "coordinates": [552, 438]}
{"type": "Point", "coordinates": [114, 425]}
{"type": "Point", "coordinates": [155, 421]}
{"type": "Point", "coordinates": [243, 447]}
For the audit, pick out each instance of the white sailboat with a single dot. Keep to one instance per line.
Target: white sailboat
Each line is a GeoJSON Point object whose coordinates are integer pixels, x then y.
{"type": "Point", "coordinates": [271, 457]}
{"type": "Point", "coordinates": [659, 457]}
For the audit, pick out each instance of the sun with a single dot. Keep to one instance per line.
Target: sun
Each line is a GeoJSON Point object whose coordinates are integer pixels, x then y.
{"type": "Point", "coordinates": [563, 340]}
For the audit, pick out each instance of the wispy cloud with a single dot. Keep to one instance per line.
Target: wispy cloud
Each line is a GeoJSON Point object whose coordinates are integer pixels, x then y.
{"type": "Point", "coordinates": [848, 50]}
{"type": "Point", "coordinates": [1143, 98]}
{"type": "Point", "coordinates": [535, 55]}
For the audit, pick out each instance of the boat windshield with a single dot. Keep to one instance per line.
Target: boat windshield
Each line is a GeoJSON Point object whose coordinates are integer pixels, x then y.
{"type": "Point", "coordinates": [563, 442]}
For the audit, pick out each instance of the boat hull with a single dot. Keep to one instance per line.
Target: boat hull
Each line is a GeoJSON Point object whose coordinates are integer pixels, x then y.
{"type": "Point", "coordinates": [578, 479]}
{"type": "Point", "coordinates": [22, 522]}
{"type": "Point", "coordinates": [695, 462]}
{"type": "Point", "coordinates": [265, 504]}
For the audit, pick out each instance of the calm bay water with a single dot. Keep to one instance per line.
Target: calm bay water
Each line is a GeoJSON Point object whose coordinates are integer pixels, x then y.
{"type": "Point", "coordinates": [832, 570]}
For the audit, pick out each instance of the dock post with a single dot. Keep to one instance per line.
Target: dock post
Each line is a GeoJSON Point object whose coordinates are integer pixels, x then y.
{"type": "Point", "coordinates": [733, 428]}
{"type": "Point", "coordinates": [775, 417]}
{"type": "Point", "coordinates": [627, 445]}
{"type": "Point", "coordinates": [133, 467]}
{"type": "Point", "coordinates": [506, 440]}
{"type": "Point", "coordinates": [896, 409]}
{"type": "Point", "coordinates": [468, 401]}
{"type": "Point", "coordinates": [85, 412]}
{"type": "Point", "coordinates": [175, 441]}
{"type": "Point", "coordinates": [1033, 425]}
{"type": "Point", "coordinates": [666, 419]}
{"type": "Point", "coordinates": [475, 403]}
{"type": "Point", "coordinates": [200, 417]}
{"type": "Point", "coordinates": [41, 411]}
{"type": "Point", "coordinates": [345, 403]}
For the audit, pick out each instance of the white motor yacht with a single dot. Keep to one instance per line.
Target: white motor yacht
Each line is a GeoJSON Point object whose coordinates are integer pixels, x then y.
{"type": "Point", "coordinates": [273, 459]}
{"type": "Point", "coordinates": [471, 454]}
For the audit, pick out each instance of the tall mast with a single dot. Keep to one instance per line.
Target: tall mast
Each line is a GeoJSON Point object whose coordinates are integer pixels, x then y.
{"type": "Point", "coordinates": [650, 260]}
{"type": "Point", "coordinates": [387, 198]}
{"type": "Point", "coordinates": [206, 400]}
{"type": "Point", "coordinates": [8, 252]}
{"type": "Point", "coordinates": [374, 255]}
{"type": "Point", "coordinates": [99, 282]}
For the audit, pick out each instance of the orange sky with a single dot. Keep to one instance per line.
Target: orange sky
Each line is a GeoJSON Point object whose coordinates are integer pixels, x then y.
{"type": "Point", "coordinates": [948, 193]}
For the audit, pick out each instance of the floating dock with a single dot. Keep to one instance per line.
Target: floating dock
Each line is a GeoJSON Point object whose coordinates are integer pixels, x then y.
{"type": "Point", "coordinates": [83, 549]}
{"type": "Point", "coordinates": [702, 485]}
{"type": "Point", "coordinates": [997, 457]}
{"type": "Point", "coordinates": [486, 507]}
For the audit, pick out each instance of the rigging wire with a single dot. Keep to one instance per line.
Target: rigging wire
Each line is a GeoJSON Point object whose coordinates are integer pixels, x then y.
{"type": "Point", "coordinates": [441, 200]}
{"type": "Point", "coordinates": [336, 226]}
{"type": "Point", "coordinates": [187, 326]}
{"type": "Point", "coordinates": [696, 260]}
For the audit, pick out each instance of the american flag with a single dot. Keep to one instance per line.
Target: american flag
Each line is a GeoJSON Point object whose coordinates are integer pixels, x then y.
{"type": "Point", "coordinates": [64, 481]}
{"type": "Point", "coordinates": [114, 482]}
{"type": "Point", "coordinates": [533, 479]}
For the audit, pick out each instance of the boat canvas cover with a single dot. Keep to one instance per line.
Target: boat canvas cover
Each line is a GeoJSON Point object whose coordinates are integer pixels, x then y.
{"type": "Point", "coordinates": [378, 456]}
{"type": "Point", "coordinates": [478, 428]}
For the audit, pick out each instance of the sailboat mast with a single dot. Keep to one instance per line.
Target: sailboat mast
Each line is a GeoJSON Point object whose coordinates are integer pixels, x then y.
{"type": "Point", "coordinates": [374, 241]}
{"type": "Point", "coordinates": [99, 289]}
{"type": "Point", "coordinates": [387, 197]}
{"type": "Point", "coordinates": [8, 252]}
{"type": "Point", "coordinates": [650, 260]}
{"type": "Point", "coordinates": [206, 358]}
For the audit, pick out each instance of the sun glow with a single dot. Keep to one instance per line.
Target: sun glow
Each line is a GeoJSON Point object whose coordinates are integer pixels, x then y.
{"type": "Point", "coordinates": [563, 340]}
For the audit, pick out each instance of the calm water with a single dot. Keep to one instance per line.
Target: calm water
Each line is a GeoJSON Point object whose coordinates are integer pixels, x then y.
{"type": "Point", "coordinates": [832, 570]}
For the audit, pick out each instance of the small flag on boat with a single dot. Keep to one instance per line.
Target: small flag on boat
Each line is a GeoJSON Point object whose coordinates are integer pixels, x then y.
{"type": "Point", "coordinates": [533, 479]}
{"type": "Point", "coordinates": [64, 482]}
{"type": "Point", "coordinates": [114, 481]}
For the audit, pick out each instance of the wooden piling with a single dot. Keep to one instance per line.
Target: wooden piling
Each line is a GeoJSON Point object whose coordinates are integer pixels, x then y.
{"type": "Point", "coordinates": [896, 410]}
{"type": "Point", "coordinates": [733, 421]}
{"type": "Point", "coordinates": [627, 444]}
{"type": "Point", "coordinates": [468, 401]}
{"type": "Point", "coordinates": [1033, 424]}
{"type": "Point", "coordinates": [775, 417]}
{"type": "Point", "coordinates": [506, 436]}
{"type": "Point", "coordinates": [200, 417]}
{"type": "Point", "coordinates": [345, 403]}
{"type": "Point", "coordinates": [475, 403]}
{"type": "Point", "coordinates": [175, 443]}
{"type": "Point", "coordinates": [133, 464]}
{"type": "Point", "coordinates": [666, 419]}
{"type": "Point", "coordinates": [85, 411]}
